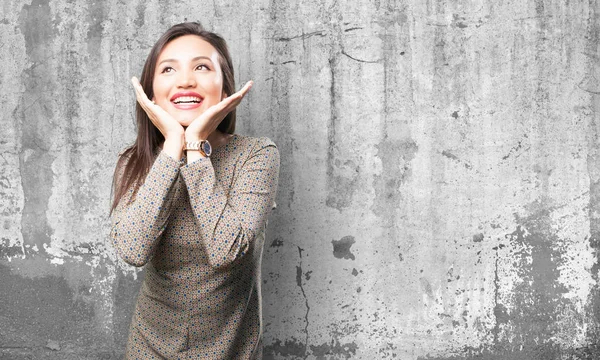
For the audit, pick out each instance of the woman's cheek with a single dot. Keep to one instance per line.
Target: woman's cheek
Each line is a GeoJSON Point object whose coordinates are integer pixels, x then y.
{"type": "Point", "coordinates": [218, 80]}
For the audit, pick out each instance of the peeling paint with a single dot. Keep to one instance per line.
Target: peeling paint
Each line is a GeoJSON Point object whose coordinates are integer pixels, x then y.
{"type": "Point", "coordinates": [538, 302]}
{"type": "Point", "coordinates": [323, 351]}
{"type": "Point", "coordinates": [334, 348]}
{"type": "Point", "coordinates": [341, 248]}
{"type": "Point", "coordinates": [286, 348]}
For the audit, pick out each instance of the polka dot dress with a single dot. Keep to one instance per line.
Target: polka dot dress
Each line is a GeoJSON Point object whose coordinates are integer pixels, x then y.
{"type": "Point", "coordinates": [199, 230]}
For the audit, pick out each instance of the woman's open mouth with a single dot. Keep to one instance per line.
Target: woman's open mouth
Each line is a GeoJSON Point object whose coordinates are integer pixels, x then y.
{"type": "Point", "coordinates": [187, 100]}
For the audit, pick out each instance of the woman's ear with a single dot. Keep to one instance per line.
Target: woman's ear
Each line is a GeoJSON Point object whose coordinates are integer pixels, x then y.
{"type": "Point", "coordinates": [224, 95]}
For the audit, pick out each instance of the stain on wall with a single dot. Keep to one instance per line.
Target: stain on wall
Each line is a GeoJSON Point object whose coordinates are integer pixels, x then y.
{"type": "Point", "coordinates": [341, 248]}
{"type": "Point", "coordinates": [35, 158]}
{"type": "Point", "coordinates": [438, 193]}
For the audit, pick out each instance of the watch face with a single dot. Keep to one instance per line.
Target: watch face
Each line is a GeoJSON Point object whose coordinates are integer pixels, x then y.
{"type": "Point", "coordinates": [206, 148]}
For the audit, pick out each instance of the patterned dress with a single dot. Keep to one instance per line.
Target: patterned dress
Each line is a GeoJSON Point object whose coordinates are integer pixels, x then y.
{"type": "Point", "coordinates": [199, 229]}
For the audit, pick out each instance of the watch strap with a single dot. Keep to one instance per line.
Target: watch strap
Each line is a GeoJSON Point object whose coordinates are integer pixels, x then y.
{"type": "Point", "coordinates": [197, 146]}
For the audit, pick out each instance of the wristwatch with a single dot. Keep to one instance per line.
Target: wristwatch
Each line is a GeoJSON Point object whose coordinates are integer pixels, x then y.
{"type": "Point", "coordinates": [203, 146]}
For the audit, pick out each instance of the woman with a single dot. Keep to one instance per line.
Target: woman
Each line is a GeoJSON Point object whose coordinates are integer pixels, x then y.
{"type": "Point", "coordinates": [191, 201]}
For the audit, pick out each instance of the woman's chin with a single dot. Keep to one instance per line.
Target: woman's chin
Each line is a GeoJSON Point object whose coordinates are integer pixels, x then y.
{"type": "Point", "coordinates": [185, 121]}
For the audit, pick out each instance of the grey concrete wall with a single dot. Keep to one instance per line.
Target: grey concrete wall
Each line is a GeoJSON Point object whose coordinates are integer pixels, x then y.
{"type": "Point", "coordinates": [440, 179]}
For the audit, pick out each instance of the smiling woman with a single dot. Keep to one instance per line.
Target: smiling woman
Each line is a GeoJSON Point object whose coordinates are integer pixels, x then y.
{"type": "Point", "coordinates": [190, 203]}
{"type": "Point", "coordinates": [185, 64]}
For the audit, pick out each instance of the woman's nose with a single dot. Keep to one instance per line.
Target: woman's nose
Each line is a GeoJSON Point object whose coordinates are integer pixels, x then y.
{"type": "Point", "coordinates": [186, 79]}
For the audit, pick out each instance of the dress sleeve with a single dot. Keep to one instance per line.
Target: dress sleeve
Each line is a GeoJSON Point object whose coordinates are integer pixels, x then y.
{"type": "Point", "coordinates": [229, 221]}
{"type": "Point", "coordinates": [138, 223]}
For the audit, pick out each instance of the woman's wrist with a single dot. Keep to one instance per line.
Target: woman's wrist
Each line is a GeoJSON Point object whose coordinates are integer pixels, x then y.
{"type": "Point", "coordinates": [193, 155]}
{"type": "Point", "coordinates": [189, 137]}
{"type": "Point", "coordinates": [173, 146]}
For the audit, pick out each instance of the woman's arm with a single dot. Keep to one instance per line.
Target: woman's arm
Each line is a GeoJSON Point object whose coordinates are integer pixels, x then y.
{"type": "Point", "coordinates": [228, 223]}
{"type": "Point", "coordinates": [138, 224]}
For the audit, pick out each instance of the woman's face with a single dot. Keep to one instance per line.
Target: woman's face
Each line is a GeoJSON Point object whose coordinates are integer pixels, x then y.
{"type": "Point", "coordinates": [187, 78]}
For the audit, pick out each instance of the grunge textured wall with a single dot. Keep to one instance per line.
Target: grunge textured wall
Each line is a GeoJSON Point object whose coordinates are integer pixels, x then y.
{"type": "Point", "coordinates": [440, 181]}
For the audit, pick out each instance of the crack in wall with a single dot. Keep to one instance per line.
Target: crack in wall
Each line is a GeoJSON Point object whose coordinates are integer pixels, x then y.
{"type": "Point", "coordinates": [299, 282]}
{"type": "Point", "coordinates": [496, 329]}
{"type": "Point", "coordinates": [500, 311]}
{"type": "Point", "coordinates": [302, 36]}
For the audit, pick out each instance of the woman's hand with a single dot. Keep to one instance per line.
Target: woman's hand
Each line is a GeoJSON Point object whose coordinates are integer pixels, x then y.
{"type": "Point", "coordinates": [170, 128]}
{"type": "Point", "coordinates": [205, 124]}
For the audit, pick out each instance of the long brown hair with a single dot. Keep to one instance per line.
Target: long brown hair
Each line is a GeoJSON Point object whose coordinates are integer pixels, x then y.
{"type": "Point", "coordinates": [135, 162]}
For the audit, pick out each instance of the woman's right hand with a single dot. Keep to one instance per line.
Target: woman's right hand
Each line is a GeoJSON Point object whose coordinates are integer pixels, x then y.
{"type": "Point", "coordinates": [170, 128]}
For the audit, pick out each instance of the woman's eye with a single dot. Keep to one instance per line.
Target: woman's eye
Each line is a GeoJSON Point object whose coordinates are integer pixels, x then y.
{"type": "Point", "coordinates": [202, 67]}
{"type": "Point", "coordinates": [167, 69]}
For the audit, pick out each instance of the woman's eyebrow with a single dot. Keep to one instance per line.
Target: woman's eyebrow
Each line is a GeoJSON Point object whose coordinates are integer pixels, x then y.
{"type": "Point", "coordinates": [194, 59]}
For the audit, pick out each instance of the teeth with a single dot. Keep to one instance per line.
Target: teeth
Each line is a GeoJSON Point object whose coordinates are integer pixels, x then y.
{"type": "Point", "coordinates": [187, 99]}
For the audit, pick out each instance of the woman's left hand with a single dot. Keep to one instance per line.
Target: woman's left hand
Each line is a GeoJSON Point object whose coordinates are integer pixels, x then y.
{"type": "Point", "coordinates": [205, 124]}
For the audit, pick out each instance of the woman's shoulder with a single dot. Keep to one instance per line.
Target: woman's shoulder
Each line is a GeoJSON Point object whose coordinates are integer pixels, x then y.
{"type": "Point", "coordinates": [241, 148]}
{"type": "Point", "coordinates": [254, 142]}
